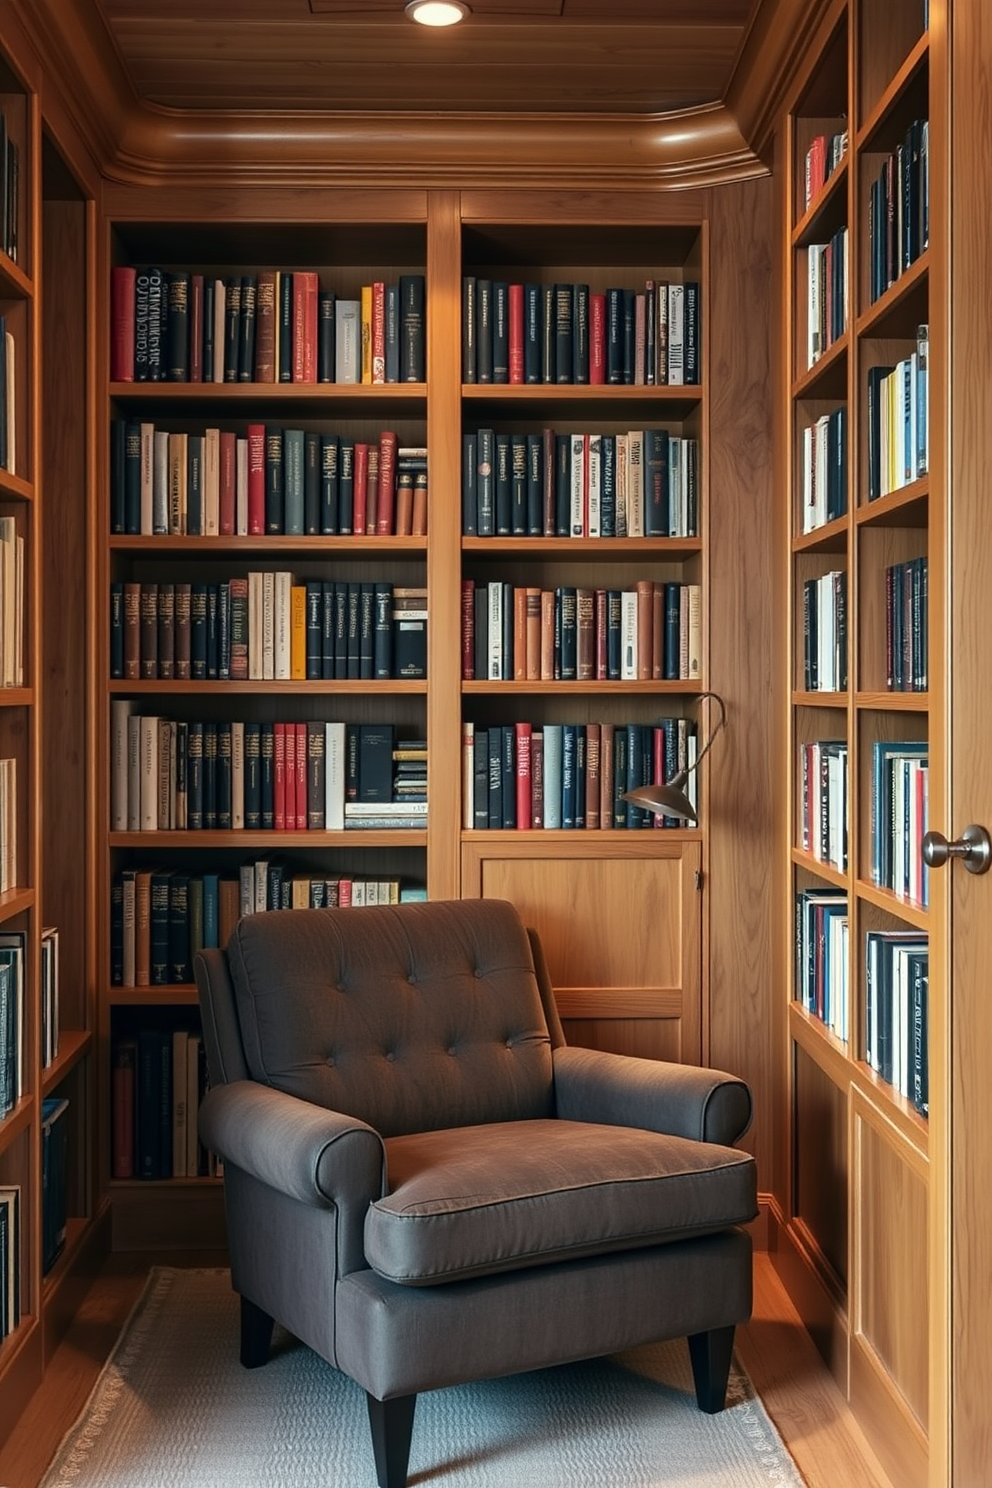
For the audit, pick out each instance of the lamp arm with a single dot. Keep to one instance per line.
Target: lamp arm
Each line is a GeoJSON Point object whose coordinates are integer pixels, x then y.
{"type": "Point", "coordinates": [679, 779]}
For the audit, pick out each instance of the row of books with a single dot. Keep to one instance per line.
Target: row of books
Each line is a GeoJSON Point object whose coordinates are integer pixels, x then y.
{"type": "Point", "coordinates": [8, 399]}
{"type": "Point", "coordinates": [644, 483]}
{"type": "Point", "coordinates": [10, 170]}
{"type": "Point", "coordinates": [158, 1079]}
{"type": "Point", "coordinates": [8, 825]}
{"type": "Point", "coordinates": [900, 813]}
{"type": "Point", "coordinates": [827, 285]}
{"type": "Point", "coordinates": [899, 210]}
{"type": "Point", "coordinates": [13, 1014]}
{"type": "Point", "coordinates": [572, 776]}
{"type": "Point", "coordinates": [906, 608]}
{"type": "Point", "coordinates": [161, 918]}
{"type": "Point", "coordinates": [10, 1259]}
{"type": "Point", "coordinates": [824, 469]}
{"type": "Point", "coordinates": [54, 1178]}
{"type": "Point", "coordinates": [899, 420]}
{"type": "Point", "coordinates": [825, 632]}
{"type": "Point", "coordinates": [573, 633]}
{"type": "Point", "coordinates": [266, 627]}
{"type": "Point", "coordinates": [267, 480]}
{"type": "Point", "coordinates": [823, 801]}
{"type": "Point", "coordinates": [897, 976]}
{"type": "Point", "coordinates": [49, 995]}
{"type": "Point", "coordinates": [175, 775]}
{"type": "Point", "coordinates": [822, 940]}
{"type": "Point", "coordinates": [825, 153]}
{"type": "Point", "coordinates": [568, 333]}
{"type": "Point", "coordinates": [269, 326]}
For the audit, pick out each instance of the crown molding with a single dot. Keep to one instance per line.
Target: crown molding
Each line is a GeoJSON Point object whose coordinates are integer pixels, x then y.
{"type": "Point", "coordinates": [140, 144]}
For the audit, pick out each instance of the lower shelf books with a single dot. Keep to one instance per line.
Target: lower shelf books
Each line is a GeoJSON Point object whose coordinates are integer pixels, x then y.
{"type": "Point", "coordinates": [54, 1178]}
{"type": "Point", "coordinates": [49, 995]}
{"type": "Point", "coordinates": [906, 626]}
{"type": "Point", "coordinates": [571, 776]}
{"type": "Point", "coordinates": [823, 801]}
{"type": "Point", "coordinates": [10, 1260]}
{"type": "Point", "coordinates": [821, 956]}
{"type": "Point", "coordinates": [159, 1078]}
{"type": "Point", "coordinates": [12, 1020]}
{"type": "Point", "coordinates": [896, 1011]}
{"type": "Point", "coordinates": [900, 811]}
{"type": "Point", "coordinates": [825, 632]}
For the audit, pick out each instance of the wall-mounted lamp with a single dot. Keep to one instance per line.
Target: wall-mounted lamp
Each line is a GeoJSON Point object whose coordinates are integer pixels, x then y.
{"type": "Point", "coordinates": [671, 799]}
{"type": "Point", "coordinates": [437, 12]}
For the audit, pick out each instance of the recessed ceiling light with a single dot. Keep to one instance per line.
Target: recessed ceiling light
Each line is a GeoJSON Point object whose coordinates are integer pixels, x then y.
{"type": "Point", "coordinates": [437, 12]}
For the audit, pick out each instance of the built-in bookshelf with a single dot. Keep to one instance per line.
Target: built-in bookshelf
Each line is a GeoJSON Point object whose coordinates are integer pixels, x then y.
{"type": "Point", "coordinates": [863, 504]}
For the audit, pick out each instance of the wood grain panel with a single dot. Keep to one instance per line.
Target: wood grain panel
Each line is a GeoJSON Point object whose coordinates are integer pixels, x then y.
{"type": "Point", "coordinates": [821, 1159]}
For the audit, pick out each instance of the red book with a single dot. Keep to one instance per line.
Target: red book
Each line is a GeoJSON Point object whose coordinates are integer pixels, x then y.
{"type": "Point", "coordinates": [304, 326]}
{"type": "Point", "coordinates": [196, 328]}
{"type": "Point", "coordinates": [256, 479]}
{"type": "Point", "coordinates": [344, 892]}
{"type": "Point", "coordinates": [385, 508]}
{"type": "Point", "coordinates": [378, 331]}
{"type": "Point", "coordinates": [228, 481]}
{"type": "Point", "coordinates": [300, 730]}
{"type": "Point", "coordinates": [360, 499]}
{"type": "Point", "coordinates": [122, 280]}
{"type": "Point", "coordinates": [372, 490]}
{"type": "Point", "coordinates": [524, 802]}
{"type": "Point", "coordinates": [515, 332]}
{"type": "Point", "coordinates": [289, 776]}
{"type": "Point", "coordinates": [597, 338]}
{"type": "Point", "coordinates": [468, 630]}
{"type": "Point", "coordinates": [279, 777]}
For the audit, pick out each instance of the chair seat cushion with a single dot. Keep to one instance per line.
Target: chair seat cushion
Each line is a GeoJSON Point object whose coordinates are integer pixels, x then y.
{"type": "Point", "coordinates": [469, 1201]}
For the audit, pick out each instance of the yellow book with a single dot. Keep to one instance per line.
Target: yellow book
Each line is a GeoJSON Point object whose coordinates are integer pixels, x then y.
{"type": "Point", "coordinates": [298, 633]}
{"type": "Point", "coordinates": [367, 333]}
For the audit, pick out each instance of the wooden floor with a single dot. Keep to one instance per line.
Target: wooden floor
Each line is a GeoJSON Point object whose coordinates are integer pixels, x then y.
{"type": "Point", "coordinates": [779, 1355]}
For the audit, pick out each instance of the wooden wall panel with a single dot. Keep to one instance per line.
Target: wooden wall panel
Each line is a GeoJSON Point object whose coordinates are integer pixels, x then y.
{"type": "Point", "coordinates": [821, 1137]}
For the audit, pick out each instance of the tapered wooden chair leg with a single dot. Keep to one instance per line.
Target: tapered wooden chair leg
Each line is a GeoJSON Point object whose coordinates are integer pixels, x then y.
{"type": "Point", "coordinates": [256, 1334]}
{"type": "Point", "coordinates": [392, 1432]}
{"type": "Point", "coordinates": [710, 1354]}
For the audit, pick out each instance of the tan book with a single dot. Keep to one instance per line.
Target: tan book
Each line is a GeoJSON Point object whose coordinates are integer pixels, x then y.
{"type": "Point", "coordinates": [593, 785]}
{"type": "Point", "coordinates": [266, 319]}
{"type": "Point", "coordinates": [585, 636]}
{"type": "Point", "coordinates": [532, 663]}
{"type": "Point", "coordinates": [519, 634]}
{"type": "Point", "coordinates": [645, 628]}
{"type": "Point", "coordinates": [547, 635]}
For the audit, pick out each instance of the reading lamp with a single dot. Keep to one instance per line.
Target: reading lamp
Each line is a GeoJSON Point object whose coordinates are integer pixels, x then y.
{"type": "Point", "coordinates": [671, 799]}
{"type": "Point", "coordinates": [437, 12]}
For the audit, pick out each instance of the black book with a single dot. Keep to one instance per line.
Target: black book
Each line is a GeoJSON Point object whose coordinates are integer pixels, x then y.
{"type": "Point", "coordinates": [480, 778]}
{"type": "Point", "coordinates": [285, 313]}
{"type": "Point", "coordinates": [629, 354]}
{"type": "Point", "coordinates": [329, 463]}
{"type": "Point", "coordinates": [564, 338]}
{"type": "Point", "coordinates": [692, 332]}
{"type": "Point", "coordinates": [213, 632]}
{"type": "Point", "coordinates": [194, 776]}
{"type": "Point", "coordinates": [534, 456]}
{"type": "Point", "coordinates": [116, 628]}
{"type": "Point", "coordinates": [413, 360]}
{"type": "Point", "coordinates": [232, 327]}
{"type": "Point", "coordinates": [198, 632]}
{"type": "Point", "coordinates": [177, 323]}
{"type": "Point", "coordinates": [316, 768]}
{"type": "Point", "coordinates": [533, 331]}
{"type": "Point", "coordinates": [209, 345]}
{"type": "Point", "coordinates": [180, 965]}
{"type": "Point", "coordinates": [518, 485]}
{"type": "Point", "coordinates": [495, 743]}
{"type": "Point", "coordinates": [563, 484]}
{"type": "Point", "coordinates": [141, 325]}
{"type": "Point", "coordinates": [325, 335]}
{"type": "Point", "coordinates": [266, 776]}
{"type": "Point", "coordinates": [375, 762]}
{"type": "Point", "coordinates": [327, 594]}
{"type": "Point", "coordinates": [354, 593]}
{"type": "Point", "coordinates": [314, 629]}
{"type": "Point", "coordinates": [657, 520]}
{"type": "Point", "coordinates": [672, 630]}
{"type": "Point", "coordinates": [253, 776]}
{"type": "Point", "coordinates": [157, 310]}
{"type": "Point", "coordinates": [132, 478]}
{"type": "Point", "coordinates": [312, 476]}
{"type": "Point", "coordinates": [484, 330]}
{"type": "Point", "coordinates": [580, 333]}
{"type": "Point", "coordinates": [548, 345]}
{"type": "Point", "coordinates": [614, 336]}
{"type": "Point", "coordinates": [566, 603]}
{"type": "Point", "coordinates": [210, 822]}
{"type": "Point", "coordinates": [470, 468]}
{"type": "Point", "coordinates": [485, 482]}
{"type": "Point", "coordinates": [194, 485]}
{"type": "Point", "coordinates": [148, 1099]}
{"type": "Point", "coordinates": [274, 492]}
{"type": "Point", "coordinates": [503, 486]}
{"type": "Point", "coordinates": [247, 322]}
{"type": "Point", "coordinates": [469, 369]}
{"type": "Point", "coordinates": [501, 331]}
{"type": "Point", "coordinates": [159, 932]}
{"type": "Point", "coordinates": [382, 665]}
{"type": "Point", "coordinates": [340, 630]}
{"type": "Point", "coordinates": [366, 631]}
{"type": "Point", "coordinates": [346, 487]}
{"type": "Point", "coordinates": [614, 634]}
{"type": "Point", "coordinates": [118, 479]}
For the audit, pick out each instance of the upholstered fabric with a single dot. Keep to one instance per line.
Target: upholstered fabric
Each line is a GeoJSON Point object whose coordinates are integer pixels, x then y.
{"type": "Point", "coordinates": [526, 1193]}
{"type": "Point", "coordinates": [684, 1099]}
{"type": "Point", "coordinates": [410, 1018]}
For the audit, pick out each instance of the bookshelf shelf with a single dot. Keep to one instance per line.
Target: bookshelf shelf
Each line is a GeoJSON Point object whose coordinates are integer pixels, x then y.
{"type": "Point", "coordinates": [903, 305]}
{"type": "Point", "coordinates": [906, 507]}
{"type": "Point", "coordinates": [273, 841]}
{"type": "Point", "coordinates": [827, 378]}
{"type": "Point", "coordinates": [309, 397]}
{"type": "Point", "coordinates": [16, 1123]}
{"type": "Point", "coordinates": [14, 282]}
{"type": "Point", "coordinates": [907, 86]}
{"type": "Point", "coordinates": [74, 1046]}
{"type": "Point", "coordinates": [372, 687]}
{"type": "Point", "coordinates": [679, 400]}
{"type": "Point", "coordinates": [179, 994]}
{"type": "Point", "coordinates": [15, 487]}
{"type": "Point", "coordinates": [830, 538]}
{"type": "Point", "coordinates": [892, 702]}
{"type": "Point", "coordinates": [900, 908]}
{"type": "Point", "coordinates": [819, 868]}
{"type": "Point", "coordinates": [15, 902]}
{"type": "Point", "coordinates": [564, 689]}
{"type": "Point", "coordinates": [352, 548]}
{"type": "Point", "coordinates": [16, 697]}
{"type": "Point", "coordinates": [591, 548]}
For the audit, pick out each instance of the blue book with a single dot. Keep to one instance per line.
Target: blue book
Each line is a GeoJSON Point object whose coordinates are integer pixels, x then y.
{"type": "Point", "coordinates": [211, 910]}
{"type": "Point", "coordinates": [553, 750]}
{"type": "Point", "coordinates": [569, 788]}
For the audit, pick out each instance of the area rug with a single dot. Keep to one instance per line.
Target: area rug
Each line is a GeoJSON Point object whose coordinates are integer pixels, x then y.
{"type": "Point", "coordinates": [173, 1408]}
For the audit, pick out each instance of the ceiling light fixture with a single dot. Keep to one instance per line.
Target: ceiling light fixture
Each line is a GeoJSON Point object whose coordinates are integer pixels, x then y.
{"type": "Point", "coordinates": [437, 12]}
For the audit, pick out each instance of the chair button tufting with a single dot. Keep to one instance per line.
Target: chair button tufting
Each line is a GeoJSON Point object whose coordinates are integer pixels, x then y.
{"type": "Point", "coordinates": [412, 979]}
{"type": "Point", "coordinates": [478, 973]}
{"type": "Point", "coordinates": [452, 1051]}
{"type": "Point", "coordinates": [390, 1055]}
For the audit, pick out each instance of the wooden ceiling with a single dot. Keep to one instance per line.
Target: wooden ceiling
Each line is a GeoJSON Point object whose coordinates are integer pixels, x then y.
{"type": "Point", "coordinates": [643, 57]}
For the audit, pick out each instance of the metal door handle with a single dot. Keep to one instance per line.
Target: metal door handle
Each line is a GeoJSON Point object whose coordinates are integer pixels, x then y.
{"type": "Point", "coordinates": [973, 847]}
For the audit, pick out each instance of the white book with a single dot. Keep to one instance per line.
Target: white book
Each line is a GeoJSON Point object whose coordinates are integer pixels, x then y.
{"type": "Point", "coordinates": [628, 635]}
{"type": "Point", "coordinates": [237, 775]}
{"type": "Point", "coordinates": [166, 776]}
{"type": "Point", "coordinates": [128, 913]}
{"type": "Point", "coordinates": [677, 488]}
{"type": "Point", "coordinates": [134, 773]}
{"type": "Point", "coordinates": [826, 679]}
{"type": "Point", "coordinates": [192, 1076]}
{"type": "Point", "coordinates": [148, 788]}
{"type": "Point", "coordinates": [211, 483]}
{"type": "Point", "coordinates": [595, 485]}
{"type": "Point", "coordinates": [282, 620]}
{"type": "Point", "coordinates": [220, 328]}
{"type": "Point", "coordinates": [147, 479]}
{"type": "Point", "coordinates": [577, 488]}
{"type": "Point", "coordinates": [695, 632]}
{"type": "Point", "coordinates": [635, 483]}
{"type": "Point", "coordinates": [160, 483]}
{"type": "Point", "coordinates": [622, 482]}
{"type": "Point", "coordinates": [255, 625]}
{"type": "Point", "coordinates": [348, 341]}
{"type": "Point", "coordinates": [180, 1040]}
{"type": "Point", "coordinates": [468, 775]}
{"type": "Point", "coordinates": [676, 334]}
{"type": "Point", "coordinates": [334, 776]}
{"type": "Point", "coordinates": [813, 270]}
{"type": "Point", "coordinates": [241, 489]}
{"type": "Point", "coordinates": [268, 627]}
{"type": "Point", "coordinates": [246, 878]}
{"type": "Point", "coordinates": [495, 637]}
{"type": "Point", "coordinates": [120, 712]}
{"type": "Point", "coordinates": [9, 817]}
{"type": "Point", "coordinates": [261, 885]}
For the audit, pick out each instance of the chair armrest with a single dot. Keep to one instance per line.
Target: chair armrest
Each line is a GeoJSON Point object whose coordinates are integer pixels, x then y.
{"type": "Point", "coordinates": [681, 1099]}
{"type": "Point", "coordinates": [306, 1152]}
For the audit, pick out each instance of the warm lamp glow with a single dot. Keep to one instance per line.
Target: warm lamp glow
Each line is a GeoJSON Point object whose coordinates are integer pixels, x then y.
{"type": "Point", "coordinates": [437, 12]}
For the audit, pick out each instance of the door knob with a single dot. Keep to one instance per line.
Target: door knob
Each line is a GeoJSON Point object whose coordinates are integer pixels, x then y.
{"type": "Point", "coordinates": [973, 847]}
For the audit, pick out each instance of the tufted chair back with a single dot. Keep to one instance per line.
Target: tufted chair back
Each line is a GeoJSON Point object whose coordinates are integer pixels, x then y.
{"type": "Point", "coordinates": [412, 1018]}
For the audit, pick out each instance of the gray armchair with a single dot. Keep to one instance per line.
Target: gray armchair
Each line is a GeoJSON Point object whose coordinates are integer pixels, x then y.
{"type": "Point", "coordinates": [425, 1184]}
